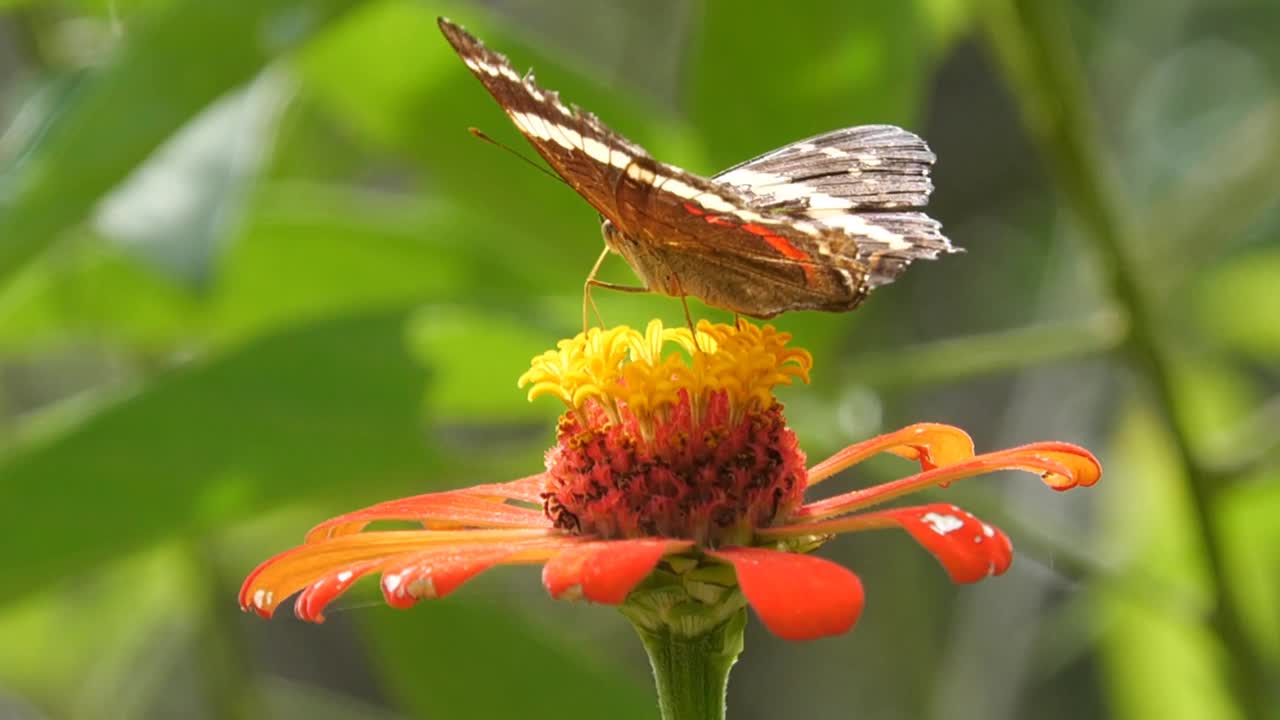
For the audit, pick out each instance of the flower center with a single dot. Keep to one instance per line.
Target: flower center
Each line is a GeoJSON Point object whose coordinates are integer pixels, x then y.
{"type": "Point", "coordinates": [688, 444]}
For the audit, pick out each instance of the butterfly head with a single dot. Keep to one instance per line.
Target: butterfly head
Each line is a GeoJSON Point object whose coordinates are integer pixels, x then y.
{"type": "Point", "coordinates": [612, 236]}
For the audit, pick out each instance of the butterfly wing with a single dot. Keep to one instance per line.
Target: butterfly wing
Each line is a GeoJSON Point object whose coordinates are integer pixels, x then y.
{"type": "Point", "coordinates": [695, 236]}
{"type": "Point", "coordinates": [589, 156]}
{"type": "Point", "coordinates": [792, 229]}
{"type": "Point", "coordinates": [863, 181]}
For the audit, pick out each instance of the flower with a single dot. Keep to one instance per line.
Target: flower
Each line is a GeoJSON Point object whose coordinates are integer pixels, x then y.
{"type": "Point", "coordinates": [674, 469]}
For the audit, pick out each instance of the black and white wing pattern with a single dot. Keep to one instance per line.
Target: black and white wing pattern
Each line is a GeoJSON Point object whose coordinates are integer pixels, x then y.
{"type": "Point", "coordinates": [864, 181]}
{"type": "Point", "coordinates": [811, 226]}
{"type": "Point", "coordinates": [589, 156]}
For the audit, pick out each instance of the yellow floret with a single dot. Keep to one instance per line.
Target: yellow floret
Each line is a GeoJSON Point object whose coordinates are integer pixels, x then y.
{"type": "Point", "coordinates": [648, 370]}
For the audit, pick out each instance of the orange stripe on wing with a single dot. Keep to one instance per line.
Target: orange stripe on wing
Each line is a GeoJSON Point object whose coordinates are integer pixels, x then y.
{"type": "Point", "coordinates": [777, 242]}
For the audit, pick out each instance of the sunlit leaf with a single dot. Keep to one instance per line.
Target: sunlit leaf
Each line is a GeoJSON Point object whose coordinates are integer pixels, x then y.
{"type": "Point", "coordinates": [161, 77]}
{"type": "Point", "coordinates": [315, 410]}
{"type": "Point", "coordinates": [443, 659]}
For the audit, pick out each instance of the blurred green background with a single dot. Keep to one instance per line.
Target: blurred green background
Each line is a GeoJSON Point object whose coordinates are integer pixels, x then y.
{"type": "Point", "coordinates": [254, 272]}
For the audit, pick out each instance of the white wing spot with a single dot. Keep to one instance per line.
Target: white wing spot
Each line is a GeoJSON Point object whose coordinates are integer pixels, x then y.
{"type": "Point", "coordinates": [619, 159]}
{"type": "Point", "coordinates": [833, 152]}
{"type": "Point", "coordinates": [525, 121]}
{"type": "Point", "coordinates": [805, 227]}
{"type": "Point", "coordinates": [715, 203]}
{"type": "Point", "coordinates": [679, 189]}
{"type": "Point", "coordinates": [751, 178]}
{"type": "Point", "coordinates": [641, 174]}
{"type": "Point", "coordinates": [597, 150]}
{"type": "Point", "coordinates": [856, 225]}
{"type": "Point", "coordinates": [566, 137]}
{"type": "Point", "coordinates": [823, 201]}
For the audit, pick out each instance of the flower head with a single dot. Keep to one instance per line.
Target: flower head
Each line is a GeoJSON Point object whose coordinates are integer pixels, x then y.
{"type": "Point", "coordinates": [674, 483]}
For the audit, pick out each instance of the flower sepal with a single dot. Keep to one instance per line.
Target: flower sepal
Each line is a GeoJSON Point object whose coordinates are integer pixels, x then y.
{"type": "Point", "coordinates": [685, 598]}
{"type": "Point", "coordinates": [691, 618]}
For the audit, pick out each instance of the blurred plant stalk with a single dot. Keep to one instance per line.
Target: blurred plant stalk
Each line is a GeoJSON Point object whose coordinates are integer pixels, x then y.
{"type": "Point", "coordinates": [1031, 42]}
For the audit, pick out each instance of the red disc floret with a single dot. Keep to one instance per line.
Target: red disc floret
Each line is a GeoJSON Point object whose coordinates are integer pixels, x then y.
{"type": "Point", "coordinates": [701, 474]}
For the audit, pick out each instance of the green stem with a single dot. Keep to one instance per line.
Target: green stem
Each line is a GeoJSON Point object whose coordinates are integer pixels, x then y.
{"type": "Point", "coordinates": [952, 359]}
{"type": "Point", "coordinates": [1029, 39]}
{"type": "Point", "coordinates": [692, 673]}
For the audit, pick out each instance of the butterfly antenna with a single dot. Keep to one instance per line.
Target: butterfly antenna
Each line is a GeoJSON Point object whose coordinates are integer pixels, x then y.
{"type": "Point", "coordinates": [480, 134]}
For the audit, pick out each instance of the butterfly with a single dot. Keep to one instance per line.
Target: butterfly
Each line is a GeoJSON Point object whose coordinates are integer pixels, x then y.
{"type": "Point", "coordinates": [814, 225]}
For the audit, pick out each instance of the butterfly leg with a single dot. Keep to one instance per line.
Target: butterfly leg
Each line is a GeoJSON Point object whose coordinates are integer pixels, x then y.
{"type": "Point", "coordinates": [688, 320]}
{"type": "Point", "coordinates": [591, 282]}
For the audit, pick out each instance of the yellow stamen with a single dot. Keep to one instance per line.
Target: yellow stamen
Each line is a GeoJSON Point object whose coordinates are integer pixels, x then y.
{"type": "Point", "coordinates": [646, 371]}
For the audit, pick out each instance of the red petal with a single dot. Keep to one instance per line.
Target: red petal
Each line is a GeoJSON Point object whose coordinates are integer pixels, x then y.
{"type": "Point", "coordinates": [435, 573]}
{"type": "Point", "coordinates": [933, 444]}
{"type": "Point", "coordinates": [607, 570]}
{"type": "Point", "coordinates": [311, 601]}
{"type": "Point", "coordinates": [968, 548]}
{"type": "Point", "coordinates": [799, 597]}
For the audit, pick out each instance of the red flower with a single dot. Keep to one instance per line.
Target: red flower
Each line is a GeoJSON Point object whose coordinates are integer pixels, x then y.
{"type": "Point", "coordinates": [669, 471]}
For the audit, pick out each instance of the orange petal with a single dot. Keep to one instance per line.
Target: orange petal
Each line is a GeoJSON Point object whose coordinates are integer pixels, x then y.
{"type": "Point", "coordinates": [435, 573]}
{"type": "Point", "coordinates": [441, 511]}
{"type": "Point", "coordinates": [1061, 465]}
{"type": "Point", "coordinates": [798, 597]}
{"type": "Point", "coordinates": [315, 597]}
{"type": "Point", "coordinates": [526, 489]}
{"type": "Point", "coordinates": [605, 571]}
{"type": "Point", "coordinates": [933, 444]}
{"type": "Point", "coordinates": [329, 562]}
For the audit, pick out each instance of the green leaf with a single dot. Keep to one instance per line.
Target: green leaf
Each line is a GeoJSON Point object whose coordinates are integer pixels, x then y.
{"type": "Point", "coordinates": [93, 290]}
{"type": "Point", "coordinates": [1237, 304]}
{"type": "Point", "coordinates": [449, 658]}
{"type": "Point", "coordinates": [1160, 661]}
{"type": "Point", "coordinates": [162, 76]}
{"type": "Point", "coordinates": [314, 410]}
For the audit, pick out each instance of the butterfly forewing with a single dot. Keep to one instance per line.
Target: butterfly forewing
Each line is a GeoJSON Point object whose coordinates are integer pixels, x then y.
{"type": "Point", "coordinates": [680, 223]}
{"type": "Point", "coordinates": [588, 155]}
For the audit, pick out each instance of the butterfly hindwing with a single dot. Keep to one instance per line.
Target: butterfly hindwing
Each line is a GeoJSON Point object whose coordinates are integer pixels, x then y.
{"type": "Point", "coordinates": [863, 181]}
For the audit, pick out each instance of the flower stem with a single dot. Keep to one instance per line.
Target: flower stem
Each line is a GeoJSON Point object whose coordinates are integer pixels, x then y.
{"type": "Point", "coordinates": [1029, 39]}
{"type": "Point", "coordinates": [692, 673]}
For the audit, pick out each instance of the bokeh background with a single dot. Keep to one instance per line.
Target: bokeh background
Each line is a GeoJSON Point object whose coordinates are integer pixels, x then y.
{"type": "Point", "coordinates": [254, 272]}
